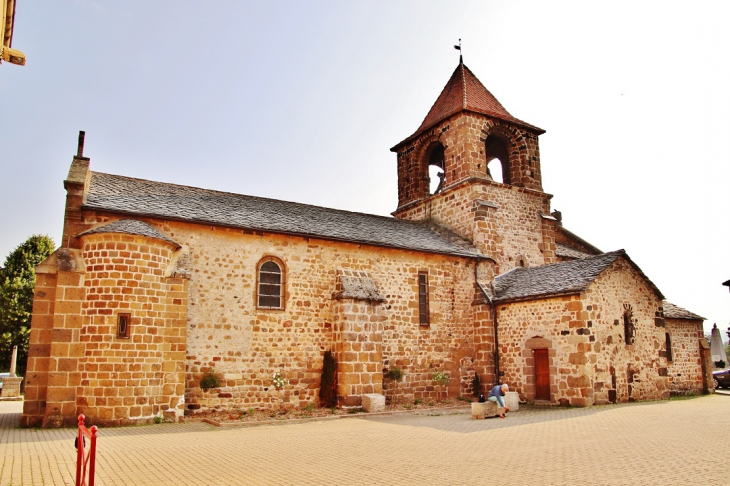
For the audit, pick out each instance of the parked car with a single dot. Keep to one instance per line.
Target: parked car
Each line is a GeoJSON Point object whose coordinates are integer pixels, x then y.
{"type": "Point", "coordinates": [3, 376]}
{"type": "Point", "coordinates": [721, 378]}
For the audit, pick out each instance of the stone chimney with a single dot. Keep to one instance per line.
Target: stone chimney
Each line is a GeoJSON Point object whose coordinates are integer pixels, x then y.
{"type": "Point", "coordinates": [77, 187]}
{"type": "Point", "coordinates": [558, 217]}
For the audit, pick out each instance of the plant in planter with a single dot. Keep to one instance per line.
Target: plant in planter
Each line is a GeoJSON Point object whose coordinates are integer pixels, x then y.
{"type": "Point", "coordinates": [441, 379]}
{"type": "Point", "coordinates": [209, 380]}
{"type": "Point", "coordinates": [395, 375]}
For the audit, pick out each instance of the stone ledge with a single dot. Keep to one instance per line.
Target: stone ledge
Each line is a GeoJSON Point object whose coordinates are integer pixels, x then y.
{"type": "Point", "coordinates": [430, 411]}
{"type": "Point", "coordinates": [483, 410]}
{"type": "Point", "coordinates": [373, 402]}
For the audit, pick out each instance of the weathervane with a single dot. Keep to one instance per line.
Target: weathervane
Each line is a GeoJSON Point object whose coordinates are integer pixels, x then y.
{"type": "Point", "coordinates": [458, 48]}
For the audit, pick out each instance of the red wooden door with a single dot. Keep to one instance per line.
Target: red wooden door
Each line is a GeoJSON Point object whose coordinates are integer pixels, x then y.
{"type": "Point", "coordinates": [542, 375]}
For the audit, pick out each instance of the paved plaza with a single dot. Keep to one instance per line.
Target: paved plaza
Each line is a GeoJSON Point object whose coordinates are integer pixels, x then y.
{"type": "Point", "coordinates": [664, 443]}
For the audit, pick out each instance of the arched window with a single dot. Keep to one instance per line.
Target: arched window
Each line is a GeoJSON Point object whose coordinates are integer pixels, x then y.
{"type": "Point", "coordinates": [497, 159]}
{"type": "Point", "coordinates": [436, 168]}
{"type": "Point", "coordinates": [270, 291]}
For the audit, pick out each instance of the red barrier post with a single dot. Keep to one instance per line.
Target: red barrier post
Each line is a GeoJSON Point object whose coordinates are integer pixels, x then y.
{"type": "Point", "coordinates": [85, 459]}
{"type": "Point", "coordinates": [92, 454]}
{"type": "Point", "coordinates": [80, 450]}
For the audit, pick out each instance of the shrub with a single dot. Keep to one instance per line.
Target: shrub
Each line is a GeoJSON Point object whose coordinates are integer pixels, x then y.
{"type": "Point", "coordinates": [328, 381]}
{"type": "Point", "coordinates": [395, 374]}
{"type": "Point", "coordinates": [209, 380]}
{"type": "Point", "coordinates": [720, 364]}
{"type": "Point", "coordinates": [476, 385]}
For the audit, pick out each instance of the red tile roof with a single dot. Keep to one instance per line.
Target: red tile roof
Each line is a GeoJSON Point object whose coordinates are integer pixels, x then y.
{"type": "Point", "coordinates": [464, 92]}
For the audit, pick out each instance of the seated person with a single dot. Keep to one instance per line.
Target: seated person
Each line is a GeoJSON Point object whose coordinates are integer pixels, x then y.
{"type": "Point", "coordinates": [497, 395]}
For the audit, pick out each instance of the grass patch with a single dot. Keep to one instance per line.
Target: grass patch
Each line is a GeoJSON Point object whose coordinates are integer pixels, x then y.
{"type": "Point", "coordinates": [683, 397]}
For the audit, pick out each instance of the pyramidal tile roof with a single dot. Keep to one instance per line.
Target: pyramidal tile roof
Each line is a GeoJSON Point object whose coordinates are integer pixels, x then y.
{"type": "Point", "coordinates": [464, 92]}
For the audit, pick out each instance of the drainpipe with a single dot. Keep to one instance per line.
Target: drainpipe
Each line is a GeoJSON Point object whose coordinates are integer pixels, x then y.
{"type": "Point", "coordinates": [493, 305]}
{"type": "Point", "coordinates": [497, 376]}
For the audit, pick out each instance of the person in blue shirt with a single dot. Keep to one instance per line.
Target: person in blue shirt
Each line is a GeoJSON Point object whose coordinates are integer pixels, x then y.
{"type": "Point", "coordinates": [497, 395]}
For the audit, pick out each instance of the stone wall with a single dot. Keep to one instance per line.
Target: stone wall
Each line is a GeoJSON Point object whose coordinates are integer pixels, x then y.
{"type": "Point", "coordinates": [358, 346]}
{"type": "Point", "coordinates": [463, 137]}
{"type": "Point", "coordinates": [244, 345]}
{"type": "Point", "coordinates": [685, 368]}
{"type": "Point", "coordinates": [503, 221]}
{"type": "Point", "coordinates": [589, 360]}
{"type": "Point", "coordinates": [78, 363]}
{"type": "Point", "coordinates": [46, 351]}
{"type": "Point", "coordinates": [131, 379]}
{"type": "Point", "coordinates": [640, 369]}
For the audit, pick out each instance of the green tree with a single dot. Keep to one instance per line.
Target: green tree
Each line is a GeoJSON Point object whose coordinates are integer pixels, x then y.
{"type": "Point", "coordinates": [17, 282]}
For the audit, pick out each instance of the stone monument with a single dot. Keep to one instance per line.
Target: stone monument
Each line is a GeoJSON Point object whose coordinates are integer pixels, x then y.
{"type": "Point", "coordinates": [11, 384]}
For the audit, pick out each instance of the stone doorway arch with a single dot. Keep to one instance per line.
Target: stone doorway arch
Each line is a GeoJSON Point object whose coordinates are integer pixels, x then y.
{"type": "Point", "coordinates": [539, 356]}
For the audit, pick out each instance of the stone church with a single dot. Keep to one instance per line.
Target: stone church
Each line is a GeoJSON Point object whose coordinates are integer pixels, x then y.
{"type": "Point", "coordinates": [156, 285]}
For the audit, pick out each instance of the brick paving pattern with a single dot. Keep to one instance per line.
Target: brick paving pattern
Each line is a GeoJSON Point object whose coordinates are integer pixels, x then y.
{"type": "Point", "coordinates": [668, 442]}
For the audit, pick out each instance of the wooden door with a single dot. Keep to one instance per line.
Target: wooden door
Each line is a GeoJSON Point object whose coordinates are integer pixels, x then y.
{"type": "Point", "coordinates": [542, 375]}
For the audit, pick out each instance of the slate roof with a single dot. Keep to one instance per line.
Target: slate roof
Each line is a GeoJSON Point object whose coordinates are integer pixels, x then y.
{"type": "Point", "coordinates": [463, 92]}
{"type": "Point", "coordinates": [672, 311]}
{"type": "Point", "coordinates": [592, 250]}
{"type": "Point", "coordinates": [357, 285]}
{"type": "Point", "coordinates": [131, 227]}
{"type": "Point", "coordinates": [568, 252]}
{"type": "Point", "coordinates": [564, 278]}
{"type": "Point", "coordinates": [143, 198]}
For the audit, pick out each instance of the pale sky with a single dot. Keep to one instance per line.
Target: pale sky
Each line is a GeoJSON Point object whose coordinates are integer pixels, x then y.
{"type": "Point", "coordinates": [302, 101]}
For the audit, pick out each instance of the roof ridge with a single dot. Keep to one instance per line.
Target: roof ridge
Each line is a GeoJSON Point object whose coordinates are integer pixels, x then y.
{"type": "Point", "coordinates": [591, 257]}
{"type": "Point", "coordinates": [464, 102]}
{"type": "Point", "coordinates": [260, 198]}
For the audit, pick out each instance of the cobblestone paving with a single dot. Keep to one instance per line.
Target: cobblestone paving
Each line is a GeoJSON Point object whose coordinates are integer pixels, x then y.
{"type": "Point", "coordinates": [664, 443]}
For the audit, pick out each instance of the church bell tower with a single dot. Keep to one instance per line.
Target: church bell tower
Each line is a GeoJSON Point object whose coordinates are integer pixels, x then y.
{"type": "Point", "coordinates": [474, 169]}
